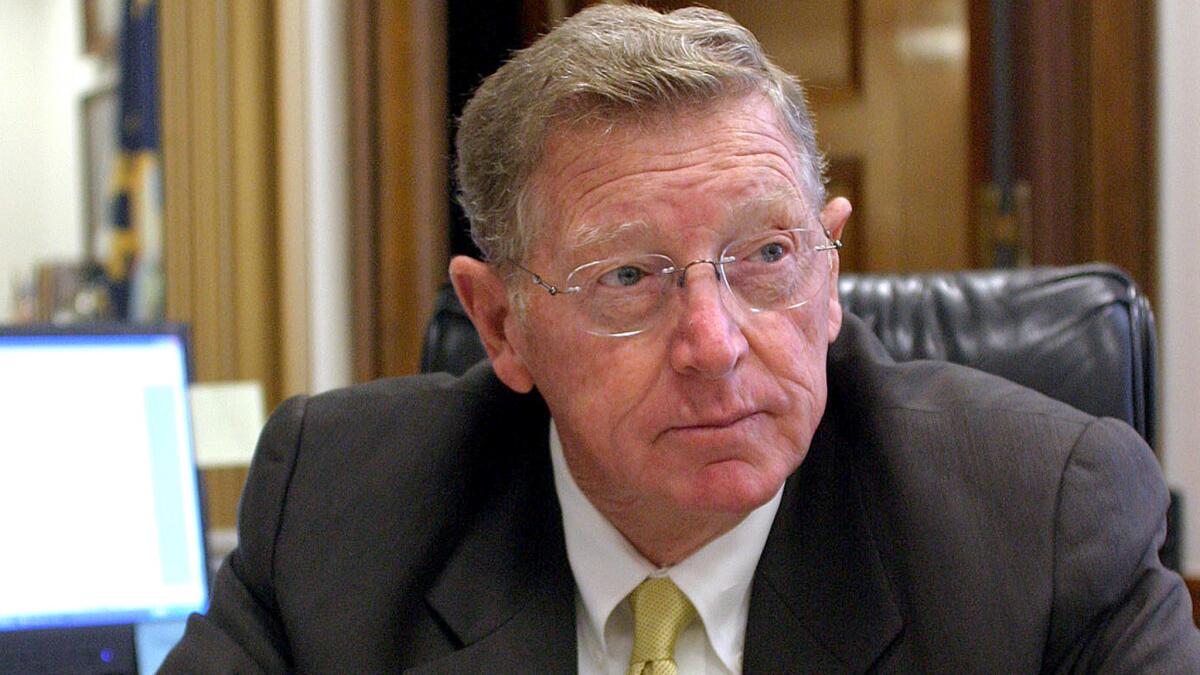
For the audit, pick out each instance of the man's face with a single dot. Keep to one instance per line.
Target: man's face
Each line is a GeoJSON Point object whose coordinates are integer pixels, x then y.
{"type": "Point", "coordinates": [710, 409]}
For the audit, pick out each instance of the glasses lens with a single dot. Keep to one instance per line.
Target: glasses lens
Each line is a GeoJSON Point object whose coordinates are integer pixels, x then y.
{"type": "Point", "coordinates": [780, 269]}
{"type": "Point", "coordinates": [621, 295]}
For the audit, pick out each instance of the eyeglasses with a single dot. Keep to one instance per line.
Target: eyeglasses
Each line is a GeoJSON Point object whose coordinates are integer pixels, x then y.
{"type": "Point", "coordinates": [770, 271]}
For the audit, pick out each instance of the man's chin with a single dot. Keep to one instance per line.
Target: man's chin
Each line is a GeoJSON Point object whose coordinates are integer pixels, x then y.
{"type": "Point", "coordinates": [733, 487]}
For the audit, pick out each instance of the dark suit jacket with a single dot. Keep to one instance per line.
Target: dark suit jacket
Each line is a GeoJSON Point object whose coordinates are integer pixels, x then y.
{"type": "Point", "coordinates": [943, 521]}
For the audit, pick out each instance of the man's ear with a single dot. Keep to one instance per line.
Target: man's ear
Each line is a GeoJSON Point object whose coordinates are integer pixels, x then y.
{"type": "Point", "coordinates": [481, 292]}
{"type": "Point", "coordinates": [833, 219]}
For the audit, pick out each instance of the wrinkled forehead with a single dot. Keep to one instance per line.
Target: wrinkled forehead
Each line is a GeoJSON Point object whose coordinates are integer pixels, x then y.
{"type": "Point", "coordinates": [776, 207]}
{"type": "Point", "coordinates": [585, 153]}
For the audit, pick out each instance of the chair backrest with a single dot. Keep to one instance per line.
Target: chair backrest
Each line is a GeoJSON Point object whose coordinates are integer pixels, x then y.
{"type": "Point", "coordinates": [1083, 335]}
{"type": "Point", "coordinates": [451, 343]}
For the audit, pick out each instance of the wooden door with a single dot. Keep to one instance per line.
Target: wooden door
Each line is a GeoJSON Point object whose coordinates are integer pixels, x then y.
{"type": "Point", "coordinates": [888, 84]}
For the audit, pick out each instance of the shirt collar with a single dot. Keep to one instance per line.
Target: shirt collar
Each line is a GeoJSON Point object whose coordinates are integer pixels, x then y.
{"type": "Point", "coordinates": [716, 578]}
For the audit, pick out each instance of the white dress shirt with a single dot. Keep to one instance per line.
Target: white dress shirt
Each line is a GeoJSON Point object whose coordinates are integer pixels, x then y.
{"type": "Point", "coordinates": [716, 578]}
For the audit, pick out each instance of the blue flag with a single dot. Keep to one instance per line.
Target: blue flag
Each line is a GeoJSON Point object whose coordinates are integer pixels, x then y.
{"type": "Point", "coordinates": [134, 262]}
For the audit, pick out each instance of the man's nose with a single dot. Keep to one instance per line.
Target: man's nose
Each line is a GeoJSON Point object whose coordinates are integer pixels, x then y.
{"type": "Point", "coordinates": [707, 341]}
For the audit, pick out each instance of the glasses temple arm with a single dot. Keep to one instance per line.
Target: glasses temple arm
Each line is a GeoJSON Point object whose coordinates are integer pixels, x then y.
{"type": "Point", "coordinates": [833, 245]}
{"type": "Point", "coordinates": [537, 279]}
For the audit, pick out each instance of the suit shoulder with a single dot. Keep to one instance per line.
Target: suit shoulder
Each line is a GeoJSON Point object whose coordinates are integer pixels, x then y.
{"type": "Point", "coordinates": [423, 425]}
{"type": "Point", "coordinates": [479, 382]}
{"type": "Point", "coordinates": [936, 386]}
{"type": "Point", "coordinates": [399, 445]}
{"type": "Point", "coordinates": [414, 401]}
{"type": "Point", "coordinates": [954, 422]}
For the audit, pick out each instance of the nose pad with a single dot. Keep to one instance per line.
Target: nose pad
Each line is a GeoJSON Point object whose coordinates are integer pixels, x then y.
{"type": "Point", "coordinates": [725, 298]}
{"type": "Point", "coordinates": [681, 277]}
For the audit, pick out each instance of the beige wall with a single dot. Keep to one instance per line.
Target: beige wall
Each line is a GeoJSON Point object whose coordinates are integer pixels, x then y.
{"type": "Point", "coordinates": [43, 79]}
{"type": "Point", "coordinates": [1179, 258]}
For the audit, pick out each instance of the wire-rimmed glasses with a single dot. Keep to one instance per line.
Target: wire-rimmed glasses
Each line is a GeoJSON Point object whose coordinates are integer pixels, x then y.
{"type": "Point", "coordinates": [770, 271]}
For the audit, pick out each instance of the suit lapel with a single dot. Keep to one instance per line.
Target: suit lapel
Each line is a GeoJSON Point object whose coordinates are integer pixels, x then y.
{"type": "Point", "coordinates": [821, 601]}
{"type": "Point", "coordinates": [507, 594]}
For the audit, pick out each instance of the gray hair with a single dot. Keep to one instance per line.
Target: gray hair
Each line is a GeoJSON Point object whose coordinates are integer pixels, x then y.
{"type": "Point", "coordinates": [608, 63]}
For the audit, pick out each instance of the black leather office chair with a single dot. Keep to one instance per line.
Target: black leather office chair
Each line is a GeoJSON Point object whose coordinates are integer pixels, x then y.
{"type": "Point", "coordinates": [1084, 335]}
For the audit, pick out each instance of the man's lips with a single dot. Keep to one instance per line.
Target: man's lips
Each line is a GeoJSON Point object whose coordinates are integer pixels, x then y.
{"type": "Point", "coordinates": [717, 423]}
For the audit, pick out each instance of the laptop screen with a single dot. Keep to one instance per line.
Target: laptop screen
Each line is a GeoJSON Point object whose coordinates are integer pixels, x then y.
{"type": "Point", "coordinates": [100, 511]}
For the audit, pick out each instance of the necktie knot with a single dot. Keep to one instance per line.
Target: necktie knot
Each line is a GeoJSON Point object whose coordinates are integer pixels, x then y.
{"type": "Point", "coordinates": [660, 613]}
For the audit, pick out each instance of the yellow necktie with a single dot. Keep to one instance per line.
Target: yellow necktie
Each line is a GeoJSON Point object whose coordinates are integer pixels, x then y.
{"type": "Point", "coordinates": [660, 613]}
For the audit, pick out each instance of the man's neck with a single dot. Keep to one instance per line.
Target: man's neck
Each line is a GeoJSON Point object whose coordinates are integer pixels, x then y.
{"type": "Point", "coordinates": [662, 536]}
{"type": "Point", "coordinates": [662, 533]}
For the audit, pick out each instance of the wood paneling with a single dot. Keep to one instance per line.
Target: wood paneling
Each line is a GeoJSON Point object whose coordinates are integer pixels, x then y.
{"type": "Point", "coordinates": [364, 179]}
{"type": "Point", "coordinates": [1120, 208]}
{"type": "Point", "coordinates": [292, 176]}
{"type": "Point", "coordinates": [1085, 131]}
{"type": "Point", "coordinates": [890, 98]}
{"type": "Point", "coordinates": [219, 195]}
{"type": "Point", "coordinates": [176, 55]}
{"type": "Point", "coordinates": [401, 161]}
{"type": "Point", "coordinates": [1047, 143]}
{"type": "Point", "coordinates": [222, 492]}
{"type": "Point", "coordinates": [254, 274]}
{"type": "Point", "coordinates": [412, 177]}
{"type": "Point", "coordinates": [219, 189]}
{"type": "Point", "coordinates": [1193, 584]}
{"type": "Point", "coordinates": [979, 102]}
{"type": "Point", "coordinates": [817, 40]}
{"type": "Point", "coordinates": [846, 180]}
{"type": "Point", "coordinates": [908, 128]}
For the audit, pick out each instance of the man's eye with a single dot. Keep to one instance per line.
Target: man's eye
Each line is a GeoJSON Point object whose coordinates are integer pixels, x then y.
{"type": "Point", "coordinates": [772, 252]}
{"type": "Point", "coordinates": [625, 275]}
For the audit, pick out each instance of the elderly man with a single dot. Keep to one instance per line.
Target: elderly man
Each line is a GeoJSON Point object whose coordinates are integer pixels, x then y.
{"type": "Point", "coordinates": [681, 456]}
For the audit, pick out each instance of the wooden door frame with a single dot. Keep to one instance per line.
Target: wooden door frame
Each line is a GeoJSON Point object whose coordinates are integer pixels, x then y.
{"type": "Point", "coordinates": [399, 166]}
{"type": "Point", "coordinates": [1084, 85]}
